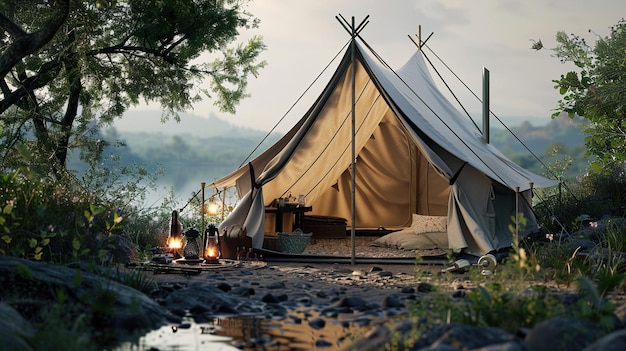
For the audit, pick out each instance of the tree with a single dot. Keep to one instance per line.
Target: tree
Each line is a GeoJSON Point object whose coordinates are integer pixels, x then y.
{"type": "Point", "coordinates": [69, 66]}
{"type": "Point", "coordinates": [595, 91]}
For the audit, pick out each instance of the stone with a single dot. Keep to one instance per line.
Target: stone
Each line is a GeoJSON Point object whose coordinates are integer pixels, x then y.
{"type": "Point", "coordinates": [407, 290]}
{"type": "Point", "coordinates": [276, 285]}
{"type": "Point", "coordinates": [14, 329]}
{"type": "Point", "coordinates": [317, 323]}
{"type": "Point", "coordinates": [610, 342]}
{"type": "Point", "coordinates": [424, 287]}
{"type": "Point", "coordinates": [392, 301]}
{"type": "Point", "coordinates": [563, 333]}
{"type": "Point", "coordinates": [351, 302]}
{"type": "Point", "coordinates": [224, 287]}
{"type": "Point", "coordinates": [269, 298]}
{"type": "Point", "coordinates": [132, 308]}
{"type": "Point", "coordinates": [242, 291]}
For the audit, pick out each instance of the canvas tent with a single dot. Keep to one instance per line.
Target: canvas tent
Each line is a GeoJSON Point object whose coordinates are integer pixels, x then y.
{"type": "Point", "coordinates": [415, 154]}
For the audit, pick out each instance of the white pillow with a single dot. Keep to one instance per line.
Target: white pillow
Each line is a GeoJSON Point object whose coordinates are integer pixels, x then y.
{"type": "Point", "coordinates": [429, 224]}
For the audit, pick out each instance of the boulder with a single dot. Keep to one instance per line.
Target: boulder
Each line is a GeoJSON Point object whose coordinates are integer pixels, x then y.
{"type": "Point", "coordinates": [563, 333]}
{"type": "Point", "coordinates": [14, 329]}
{"type": "Point", "coordinates": [130, 311]}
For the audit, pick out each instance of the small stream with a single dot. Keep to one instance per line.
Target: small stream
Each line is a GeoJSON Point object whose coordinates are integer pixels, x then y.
{"type": "Point", "coordinates": [300, 330]}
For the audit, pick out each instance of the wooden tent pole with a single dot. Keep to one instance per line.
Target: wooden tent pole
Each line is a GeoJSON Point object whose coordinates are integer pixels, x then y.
{"type": "Point", "coordinates": [203, 210]}
{"type": "Point", "coordinates": [354, 32]}
{"type": "Point", "coordinates": [353, 191]}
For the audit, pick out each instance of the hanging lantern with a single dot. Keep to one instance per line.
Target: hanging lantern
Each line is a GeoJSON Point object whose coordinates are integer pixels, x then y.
{"type": "Point", "coordinates": [212, 208]}
{"type": "Point", "coordinates": [175, 238]}
{"type": "Point", "coordinates": [212, 249]}
{"type": "Point", "coordinates": [191, 251]}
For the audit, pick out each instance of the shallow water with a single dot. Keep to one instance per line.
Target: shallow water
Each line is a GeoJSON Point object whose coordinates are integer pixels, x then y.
{"type": "Point", "coordinates": [294, 332]}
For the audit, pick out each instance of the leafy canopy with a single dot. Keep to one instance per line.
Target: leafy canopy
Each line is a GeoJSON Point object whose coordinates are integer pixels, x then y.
{"type": "Point", "coordinates": [595, 91]}
{"type": "Point", "coordinates": [69, 66]}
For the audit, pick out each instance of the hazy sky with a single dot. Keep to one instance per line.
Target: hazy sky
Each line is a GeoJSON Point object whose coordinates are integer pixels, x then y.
{"type": "Point", "coordinates": [303, 36]}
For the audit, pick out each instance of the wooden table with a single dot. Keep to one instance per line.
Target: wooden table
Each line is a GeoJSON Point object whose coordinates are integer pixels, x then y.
{"type": "Point", "coordinates": [298, 212]}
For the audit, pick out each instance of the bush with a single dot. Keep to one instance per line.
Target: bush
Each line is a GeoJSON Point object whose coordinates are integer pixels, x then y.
{"type": "Point", "coordinates": [594, 194]}
{"type": "Point", "coordinates": [64, 220]}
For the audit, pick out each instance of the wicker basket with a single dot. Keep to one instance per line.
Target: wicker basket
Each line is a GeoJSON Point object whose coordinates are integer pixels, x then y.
{"type": "Point", "coordinates": [294, 242]}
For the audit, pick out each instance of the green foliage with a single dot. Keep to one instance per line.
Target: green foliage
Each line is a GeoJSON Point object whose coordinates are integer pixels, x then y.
{"type": "Point", "coordinates": [70, 219]}
{"type": "Point", "coordinates": [594, 91]}
{"type": "Point", "coordinates": [493, 304]}
{"type": "Point", "coordinates": [58, 332]}
{"type": "Point", "coordinates": [51, 220]}
{"type": "Point", "coordinates": [594, 194]}
{"type": "Point", "coordinates": [592, 306]}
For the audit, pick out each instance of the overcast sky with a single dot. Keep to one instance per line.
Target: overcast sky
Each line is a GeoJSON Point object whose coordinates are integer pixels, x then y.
{"type": "Point", "coordinates": [303, 36]}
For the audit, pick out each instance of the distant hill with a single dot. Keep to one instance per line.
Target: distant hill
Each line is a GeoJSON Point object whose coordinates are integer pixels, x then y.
{"type": "Point", "coordinates": [560, 130]}
{"type": "Point", "coordinates": [149, 122]}
{"type": "Point", "coordinates": [562, 134]}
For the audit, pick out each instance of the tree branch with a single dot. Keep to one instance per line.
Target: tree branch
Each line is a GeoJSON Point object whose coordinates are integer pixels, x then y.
{"type": "Point", "coordinates": [26, 44]}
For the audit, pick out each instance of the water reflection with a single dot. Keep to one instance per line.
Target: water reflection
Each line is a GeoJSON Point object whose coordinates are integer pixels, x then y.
{"type": "Point", "coordinates": [300, 330]}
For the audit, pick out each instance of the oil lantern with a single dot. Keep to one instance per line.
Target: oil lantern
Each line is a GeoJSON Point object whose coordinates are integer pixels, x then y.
{"type": "Point", "coordinates": [212, 249]}
{"type": "Point", "coordinates": [191, 251]}
{"type": "Point", "coordinates": [175, 238]}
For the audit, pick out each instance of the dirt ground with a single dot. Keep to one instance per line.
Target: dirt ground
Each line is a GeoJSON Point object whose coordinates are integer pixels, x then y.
{"type": "Point", "coordinates": [373, 280]}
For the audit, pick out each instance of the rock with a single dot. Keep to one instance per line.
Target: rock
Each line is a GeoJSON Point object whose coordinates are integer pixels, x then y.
{"type": "Point", "coordinates": [14, 329]}
{"type": "Point", "coordinates": [269, 298]}
{"type": "Point", "coordinates": [415, 336]}
{"type": "Point", "coordinates": [424, 287]}
{"type": "Point", "coordinates": [563, 333]}
{"type": "Point", "coordinates": [408, 290]}
{"type": "Point", "coordinates": [242, 291]}
{"type": "Point", "coordinates": [440, 347]}
{"type": "Point", "coordinates": [304, 286]}
{"type": "Point", "coordinates": [620, 315]}
{"type": "Point", "coordinates": [276, 285]}
{"type": "Point", "coordinates": [466, 337]}
{"type": "Point", "coordinates": [613, 341]}
{"type": "Point", "coordinates": [351, 302]}
{"type": "Point", "coordinates": [507, 346]}
{"type": "Point", "coordinates": [224, 287]}
{"type": "Point", "coordinates": [209, 297]}
{"type": "Point", "coordinates": [322, 343]}
{"type": "Point", "coordinates": [317, 323]}
{"type": "Point", "coordinates": [132, 310]}
{"type": "Point", "coordinates": [392, 301]}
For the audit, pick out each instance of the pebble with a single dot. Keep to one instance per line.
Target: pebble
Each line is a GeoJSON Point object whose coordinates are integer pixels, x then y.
{"type": "Point", "coordinates": [317, 323]}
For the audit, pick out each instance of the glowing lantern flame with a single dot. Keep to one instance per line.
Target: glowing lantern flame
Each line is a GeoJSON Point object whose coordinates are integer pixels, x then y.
{"type": "Point", "coordinates": [175, 243]}
{"type": "Point", "coordinates": [212, 209]}
{"type": "Point", "coordinates": [211, 252]}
